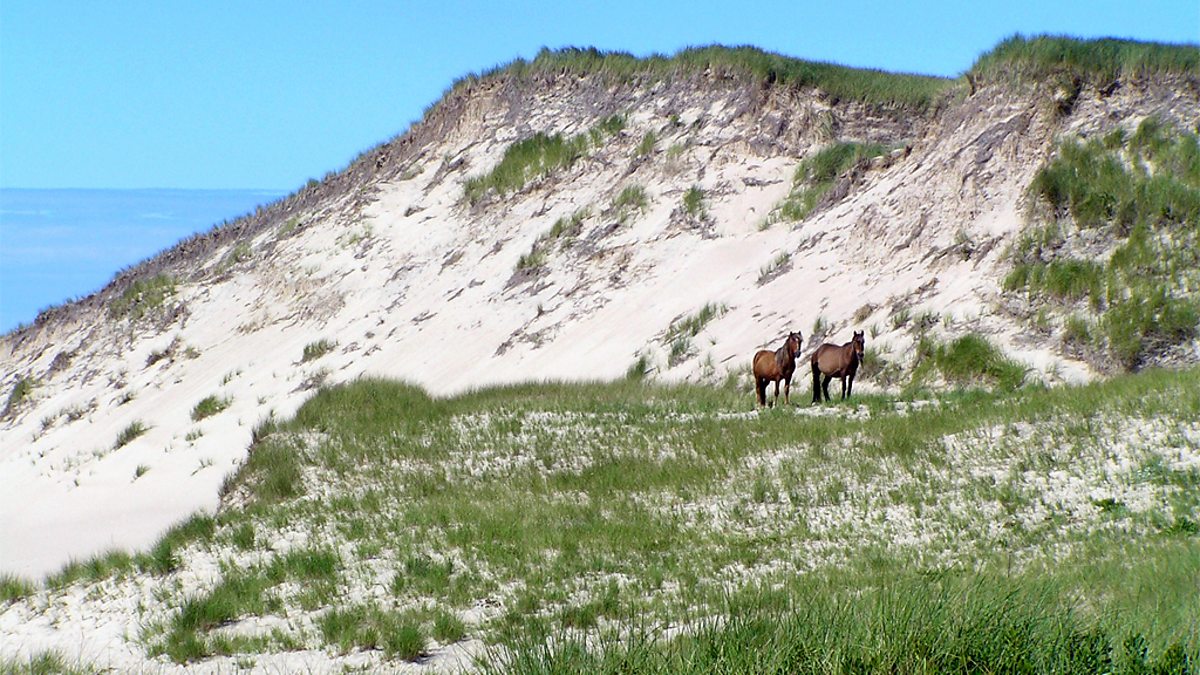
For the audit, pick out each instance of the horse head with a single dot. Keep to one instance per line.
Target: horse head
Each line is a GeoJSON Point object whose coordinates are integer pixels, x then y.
{"type": "Point", "coordinates": [793, 343]}
{"type": "Point", "coordinates": [860, 343]}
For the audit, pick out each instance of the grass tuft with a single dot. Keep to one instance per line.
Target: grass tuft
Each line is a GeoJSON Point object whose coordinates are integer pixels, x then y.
{"type": "Point", "coordinates": [368, 627]}
{"type": "Point", "coordinates": [693, 202]}
{"type": "Point", "coordinates": [144, 296]}
{"type": "Point", "coordinates": [209, 406]}
{"type": "Point", "coordinates": [13, 587]}
{"type": "Point", "coordinates": [136, 428]}
{"type": "Point", "coordinates": [971, 360]}
{"type": "Point", "coordinates": [537, 156]}
{"type": "Point", "coordinates": [19, 394]}
{"type": "Point", "coordinates": [816, 176]}
{"type": "Point", "coordinates": [316, 349]}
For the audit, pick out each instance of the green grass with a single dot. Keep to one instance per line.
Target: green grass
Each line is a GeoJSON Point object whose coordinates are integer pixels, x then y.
{"type": "Point", "coordinates": [602, 509]}
{"type": "Point", "coordinates": [914, 92]}
{"type": "Point", "coordinates": [45, 663]}
{"type": "Point", "coordinates": [816, 175]}
{"type": "Point", "coordinates": [316, 349]}
{"type": "Point", "coordinates": [646, 145]}
{"type": "Point", "coordinates": [682, 330]}
{"type": "Point", "coordinates": [1100, 61]}
{"type": "Point", "coordinates": [136, 428]}
{"type": "Point", "coordinates": [163, 557]}
{"type": "Point", "coordinates": [537, 156]}
{"type": "Point", "coordinates": [942, 622]}
{"type": "Point", "coordinates": [1067, 280]}
{"type": "Point", "coordinates": [143, 297]}
{"type": "Point", "coordinates": [240, 252]}
{"type": "Point", "coordinates": [1141, 193]}
{"type": "Point", "coordinates": [693, 201]}
{"type": "Point", "coordinates": [245, 592]}
{"type": "Point", "coordinates": [969, 360]}
{"type": "Point", "coordinates": [563, 232]}
{"type": "Point", "coordinates": [13, 587]}
{"type": "Point", "coordinates": [102, 566]}
{"type": "Point", "coordinates": [777, 266]}
{"type": "Point", "coordinates": [536, 258]}
{"type": "Point", "coordinates": [369, 627]}
{"type": "Point", "coordinates": [209, 406]}
{"type": "Point", "coordinates": [19, 394]}
{"type": "Point", "coordinates": [632, 199]}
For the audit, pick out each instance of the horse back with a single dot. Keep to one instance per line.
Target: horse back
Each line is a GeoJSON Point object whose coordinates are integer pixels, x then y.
{"type": "Point", "coordinates": [831, 360]}
{"type": "Point", "coordinates": [764, 364]}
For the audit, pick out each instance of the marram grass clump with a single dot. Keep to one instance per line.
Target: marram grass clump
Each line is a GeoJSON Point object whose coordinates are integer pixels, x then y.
{"type": "Point", "coordinates": [1100, 61]}
{"type": "Point", "coordinates": [537, 156]}
{"type": "Point", "coordinates": [817, 174]}
{"type": "Point", "coordinates": [915, 92]}
{"type": "Point", "coordinates": [1140, 193]}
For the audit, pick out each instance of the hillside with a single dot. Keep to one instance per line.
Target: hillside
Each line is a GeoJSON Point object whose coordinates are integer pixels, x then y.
{"type": "Point", "coordinates": [589, 216]}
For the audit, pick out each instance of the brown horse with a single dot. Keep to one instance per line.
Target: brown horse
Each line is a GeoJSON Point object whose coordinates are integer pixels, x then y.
{"type": "Point", "coordinates": [773, 366]}
{"type": "Point", "coordinates": [840, 362]}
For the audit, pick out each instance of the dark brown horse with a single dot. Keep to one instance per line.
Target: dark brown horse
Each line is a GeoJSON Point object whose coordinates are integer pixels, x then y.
{"type": "Point", "coordinates": [773, 366]}
{"type": "Point", "coordinates": [840, 362]}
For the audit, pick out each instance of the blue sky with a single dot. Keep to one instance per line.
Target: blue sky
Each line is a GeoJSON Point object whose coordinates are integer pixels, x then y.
{"type": "Point", "coordinates": [268, 94]}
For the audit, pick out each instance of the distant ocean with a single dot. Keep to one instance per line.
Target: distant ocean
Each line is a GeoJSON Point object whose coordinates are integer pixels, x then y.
{"type": "Point", "coordinates": [57, 245]}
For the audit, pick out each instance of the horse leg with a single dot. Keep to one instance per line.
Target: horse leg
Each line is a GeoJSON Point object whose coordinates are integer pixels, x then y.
{"type": "Point", "coordinates": [849, 385]}
{"type": "Point", "coordinates": [760, 388]}
{"type": "Point", "coordinates": [787, 390]}
{"type": "Point", "coordinates": [776, 394]}
{"type": "Point", "coordinates": [844, 390]}
{"type": "Point", "coordinates": [825, 387]}
{"type": "Point", "coordinates": [816, 371]}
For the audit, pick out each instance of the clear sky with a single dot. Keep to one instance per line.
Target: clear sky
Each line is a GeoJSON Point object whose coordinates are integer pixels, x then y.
{"type": "Point", "coordinates": [267, 94]}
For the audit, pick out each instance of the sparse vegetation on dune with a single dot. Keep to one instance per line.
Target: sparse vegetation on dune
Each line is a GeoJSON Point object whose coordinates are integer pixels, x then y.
{"type": "Point", "coordinates": [858, 84]}
{"type": "Point", "coordinates": [316, 349]}
{"type": "Point", "coordinates": [13, 588]}
{"type": "Point", "coordinates": [19, 394]}
{"type": "Point", "coordinates": [969, 360]}
{"type": "Point", "coordinates": [562, 233]}
{"type": "Point", "coordinates": [1100, 61]}
{"type": "Point", "coordinates": [537, 156]}
{"type": "Point", "coordinates": [136, 428]}
{"type": "Point", "coordinates": [818, 174]}
{"type": "Point", "coordinates": [144, 296]}
{"type": "Point", "coordinates": [1139, 193]}
{"type": "Point", "coordinates": [209, 406]}
{"type": "Point", "coordinates": [45, 663]}
{"type": "Point", "coordinates": [895, 534]}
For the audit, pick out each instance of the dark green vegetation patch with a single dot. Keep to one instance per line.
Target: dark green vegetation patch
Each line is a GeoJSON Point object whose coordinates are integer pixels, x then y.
{"type": "Point", "coordinates": [1139, 192]}
{"type": "Point", "coordinates": [538, 156]}
{"type": "Point", "coordinates": [144, 296]}
{"type": "Point", "coordinates": [818, 174]}
{"type": "Point", "coordinates": [1099, 61]}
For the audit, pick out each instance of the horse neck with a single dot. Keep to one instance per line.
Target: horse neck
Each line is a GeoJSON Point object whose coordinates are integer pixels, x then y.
{"type": "Point", "coordinates": [849, 353]}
